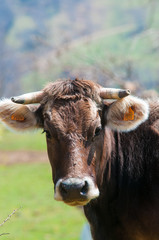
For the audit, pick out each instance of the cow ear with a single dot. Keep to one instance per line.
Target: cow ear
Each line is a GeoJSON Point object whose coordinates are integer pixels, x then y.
{"type": "Point", "coordinates": [127, 114]}
{"type": "Point", "coordinates": [19, 117]}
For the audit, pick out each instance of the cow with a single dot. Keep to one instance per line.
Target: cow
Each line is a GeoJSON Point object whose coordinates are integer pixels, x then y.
{"type": "Point", "coordinates": [103, 147]}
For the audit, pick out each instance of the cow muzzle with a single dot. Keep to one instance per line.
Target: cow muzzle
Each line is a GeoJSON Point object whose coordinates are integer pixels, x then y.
{"type": "Point", "coordinates": [76, 191]}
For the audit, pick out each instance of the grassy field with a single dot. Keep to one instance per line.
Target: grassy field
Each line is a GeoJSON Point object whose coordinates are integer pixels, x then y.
{"type": "Point", "coordinates": [22, 141]}
{"type": "Point", "coordinates": [30, 188]}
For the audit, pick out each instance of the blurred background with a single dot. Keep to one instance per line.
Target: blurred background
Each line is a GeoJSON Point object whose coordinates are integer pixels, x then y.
{"type": "Point", "coordinates": [115, 43]}
{"type": "Point", "coordinates": [104, 40]}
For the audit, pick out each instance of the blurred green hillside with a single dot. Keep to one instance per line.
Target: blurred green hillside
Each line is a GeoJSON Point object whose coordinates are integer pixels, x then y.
{"type": "Point", "coordinates": [108, 41]}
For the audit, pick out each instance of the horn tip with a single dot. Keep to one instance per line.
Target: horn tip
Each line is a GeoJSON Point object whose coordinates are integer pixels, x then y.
{"type": "Point", "coordinates": [17, 100]}
{"type": "Point", "coordinates": [128, 91]}
{"type": "Point", "coordinates": [124, 93]}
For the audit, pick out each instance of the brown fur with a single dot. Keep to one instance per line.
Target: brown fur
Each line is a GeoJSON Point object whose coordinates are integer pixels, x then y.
{"type": "Point", "coordinates": [71, 129]}
{"type": "Point", "coordinates": [74, 89]}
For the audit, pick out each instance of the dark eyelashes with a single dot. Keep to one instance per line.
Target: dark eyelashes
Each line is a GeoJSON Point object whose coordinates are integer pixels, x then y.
{"type": "Point", "coordinates": [97, 131]}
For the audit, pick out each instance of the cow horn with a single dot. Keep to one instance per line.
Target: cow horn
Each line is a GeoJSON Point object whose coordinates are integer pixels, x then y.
{"type": "Point", "coordinates": [113, 93]}
{"type": "Point", "coordinates": [28, 98]}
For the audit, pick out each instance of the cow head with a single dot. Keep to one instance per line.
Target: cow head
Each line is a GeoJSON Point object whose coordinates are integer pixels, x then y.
{"type": "Point", "coordinates": [74, 117]}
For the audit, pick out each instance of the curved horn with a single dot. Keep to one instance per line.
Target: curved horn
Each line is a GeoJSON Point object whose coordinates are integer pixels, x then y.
{"type": "Point", "coordinates": [113, 93]}
{"type": "Point", "coordinates": [28, 98]}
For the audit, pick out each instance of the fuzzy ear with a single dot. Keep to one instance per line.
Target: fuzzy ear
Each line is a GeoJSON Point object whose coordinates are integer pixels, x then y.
{"type": "Point", "coordinates": [127, 114]}
{"type": "Point", "coordinates": [18, 117]}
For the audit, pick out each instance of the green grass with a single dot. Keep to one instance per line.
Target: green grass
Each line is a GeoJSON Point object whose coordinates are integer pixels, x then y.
{"type": "Point", "coordinates": [40, 216]}
{"type": "Point", "coordinates": [22, 141]}
{"type": "Point", "coordinates": [30, 188]}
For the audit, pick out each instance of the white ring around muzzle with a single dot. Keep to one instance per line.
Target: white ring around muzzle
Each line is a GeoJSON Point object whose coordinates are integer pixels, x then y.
{"type": "Point", "coordinates": [93, 191]}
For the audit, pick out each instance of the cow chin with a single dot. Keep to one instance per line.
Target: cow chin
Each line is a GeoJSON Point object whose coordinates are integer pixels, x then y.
{"type": "Point", "coordinates": [76, 191]}
{"type": "Point", "coordinates": [77, 203]}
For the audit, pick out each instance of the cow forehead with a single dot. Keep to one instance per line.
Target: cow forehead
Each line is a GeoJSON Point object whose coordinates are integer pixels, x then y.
{"type": "Point", "coordinates": [83, 111]}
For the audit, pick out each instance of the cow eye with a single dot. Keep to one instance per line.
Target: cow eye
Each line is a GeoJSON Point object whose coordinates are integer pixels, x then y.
{"type": "Point", "coordinates": [48, 135]}
{"type": "Point", "coordinates": [97, 131]}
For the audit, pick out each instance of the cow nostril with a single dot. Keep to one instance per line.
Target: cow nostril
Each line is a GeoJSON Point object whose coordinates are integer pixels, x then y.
{"type": "Point", "coordinates": [63, 189]}
{"type": "Point", "coordinates": [84, 189]}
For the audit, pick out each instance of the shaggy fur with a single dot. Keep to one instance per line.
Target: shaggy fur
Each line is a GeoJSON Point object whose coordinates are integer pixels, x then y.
{"type": "Point", "coordinates": [72, 89]}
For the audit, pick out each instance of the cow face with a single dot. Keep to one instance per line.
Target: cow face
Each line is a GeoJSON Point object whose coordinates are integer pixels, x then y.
{"type": "Point", "coordinates": [73, 130]}
{"type": "Point", "coordinates": [74, 118]}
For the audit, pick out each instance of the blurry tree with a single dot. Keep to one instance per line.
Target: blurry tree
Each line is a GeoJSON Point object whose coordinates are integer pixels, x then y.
{"type": "Point", "coordinates": [47, 39]}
